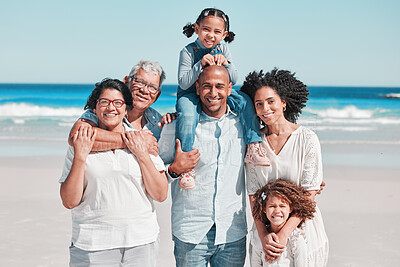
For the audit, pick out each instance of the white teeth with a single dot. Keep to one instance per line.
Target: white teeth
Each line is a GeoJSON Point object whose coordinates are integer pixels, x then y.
{"type": "Point", "coordinates": [141, 97]}
{"type": "Point", "coordinates": [212, 100]}
{"type": "Point", "coordinates": [267, 115]}
{"type": "Point", "coordinates": [110, 115]}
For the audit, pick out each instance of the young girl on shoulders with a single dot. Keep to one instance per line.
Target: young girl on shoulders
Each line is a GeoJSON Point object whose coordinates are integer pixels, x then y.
{"type": "Point", "coordinates": [274, 204]}
{"type": "Point", "coordinates": [212, 26]}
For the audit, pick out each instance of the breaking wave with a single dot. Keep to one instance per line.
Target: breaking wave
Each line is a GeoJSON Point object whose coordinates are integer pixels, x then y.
{"type": "Point", "coordinates": [29, 110]}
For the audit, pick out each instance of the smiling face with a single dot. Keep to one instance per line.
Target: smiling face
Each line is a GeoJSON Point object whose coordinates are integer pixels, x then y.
{"type": "Point", "coordinates": [211, 31]}
{"type": "Point", "coordinates": [213, 88]}
{"type": "Point", "coordinates": [277, 211]}
{"type": "Point", "coordinates": [110, 117]}
{"type": "Point", "coordinates": [269, 106]}
{"type": "Point", "coordinates": [142, 98]}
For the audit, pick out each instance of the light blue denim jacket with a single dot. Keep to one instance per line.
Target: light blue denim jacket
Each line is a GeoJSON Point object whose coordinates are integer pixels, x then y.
{"type": "Point", "coordinates": [151, 115]}
{"type": "Point", "coordinates": [219, 196]}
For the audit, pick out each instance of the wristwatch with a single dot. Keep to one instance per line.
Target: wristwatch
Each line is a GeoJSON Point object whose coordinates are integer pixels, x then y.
{"type": "Point", "coordinates": [173, 174]}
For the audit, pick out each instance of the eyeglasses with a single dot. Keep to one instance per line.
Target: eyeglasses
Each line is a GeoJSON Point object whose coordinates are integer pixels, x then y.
{"type": "Point", "coordinates": [139, 84]}
{"type": "Point", "coordinates": [104, 102]}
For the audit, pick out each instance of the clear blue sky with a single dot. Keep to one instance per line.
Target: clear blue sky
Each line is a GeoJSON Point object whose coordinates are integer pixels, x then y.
{"type": "Point", "coordinates": [341, 42]}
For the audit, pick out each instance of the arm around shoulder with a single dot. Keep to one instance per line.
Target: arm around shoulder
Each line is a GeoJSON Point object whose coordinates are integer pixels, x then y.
{"type": "Point", "coordinates": [105, 140]}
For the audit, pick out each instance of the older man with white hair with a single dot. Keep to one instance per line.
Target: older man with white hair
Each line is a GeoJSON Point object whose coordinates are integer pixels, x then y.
{"type": "Point", "coordinates": [144, 81]}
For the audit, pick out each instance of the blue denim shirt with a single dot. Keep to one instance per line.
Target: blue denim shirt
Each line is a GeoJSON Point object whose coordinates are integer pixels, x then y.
{"type": "Point", "coordinates": [151, 115]}
{"type": "Point", "coordinates": [219, 196]}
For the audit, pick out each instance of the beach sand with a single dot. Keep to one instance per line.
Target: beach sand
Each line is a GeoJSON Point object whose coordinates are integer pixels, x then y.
{"type": "Point", "coordinates": [360, 207]}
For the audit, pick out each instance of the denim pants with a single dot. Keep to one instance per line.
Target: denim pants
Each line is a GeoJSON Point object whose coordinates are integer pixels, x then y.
{"type": "Point", "coordinates": [224, 255]}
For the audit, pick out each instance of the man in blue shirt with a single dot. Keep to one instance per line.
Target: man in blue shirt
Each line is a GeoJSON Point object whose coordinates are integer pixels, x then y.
{"type": "Point", "coordinates": [144, 81]}
{"type": "Point", "coordinates": [209, 221]}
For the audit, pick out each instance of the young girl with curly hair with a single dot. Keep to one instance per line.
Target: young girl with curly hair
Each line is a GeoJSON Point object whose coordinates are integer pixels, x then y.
{"type": "Point", "coordinates": [274, 204]}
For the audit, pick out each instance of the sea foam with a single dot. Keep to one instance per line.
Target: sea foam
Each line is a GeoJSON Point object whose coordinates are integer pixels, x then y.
{"type": "Point", "coordinates": [393, 95]}
{"type": "Point", "coordinates": [346, 112]}
{"type": "Point", "coordinates": [349, 121]}
{"type": "Point", "coordinates": [29, 110]}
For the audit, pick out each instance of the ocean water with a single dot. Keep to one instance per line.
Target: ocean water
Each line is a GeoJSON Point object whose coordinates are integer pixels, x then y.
{"type": "Point", "coordinates": [35, 118]}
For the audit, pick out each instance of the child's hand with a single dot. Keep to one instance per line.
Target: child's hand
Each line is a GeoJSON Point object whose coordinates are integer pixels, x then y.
{"type": "Point", "coordinates": [207, 59]}
{"type": "Point", "coordinates": [321, 187]}
{"type": "Point", "coordinates": [219, 60]}
{"type": "Point", "coordinates": [167, 119]}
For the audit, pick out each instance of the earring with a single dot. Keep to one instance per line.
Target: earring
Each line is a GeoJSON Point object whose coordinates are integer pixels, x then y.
{"type": "Point", "coordinates": [284, 108]}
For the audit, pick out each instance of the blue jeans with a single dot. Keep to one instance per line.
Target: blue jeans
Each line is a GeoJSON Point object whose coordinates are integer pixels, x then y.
{"type": "Point", "coordinates": [224, 255]}
{"type": "Point", "coordinates": [189, 108]}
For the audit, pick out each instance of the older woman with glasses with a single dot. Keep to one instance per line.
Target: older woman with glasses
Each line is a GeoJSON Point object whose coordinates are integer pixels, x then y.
{"type": "Point", "coordinates": [111, 193]}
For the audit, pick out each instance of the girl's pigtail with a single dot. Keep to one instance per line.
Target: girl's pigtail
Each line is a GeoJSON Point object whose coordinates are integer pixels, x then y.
{"type": "Point", "coordinates": [229, 37]}
{"type": "Point", "coordinates": [188, 30]}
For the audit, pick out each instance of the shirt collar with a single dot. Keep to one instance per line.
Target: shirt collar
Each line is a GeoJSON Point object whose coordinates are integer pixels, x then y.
{"type": "Point", "coordinates": [149, 116]}
{"type": "Point", "coordinates": [204, 116]}
{"type": "Point", "coordinates": [201, 46]}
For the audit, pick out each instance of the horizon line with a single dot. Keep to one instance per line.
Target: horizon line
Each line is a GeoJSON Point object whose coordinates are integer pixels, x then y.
{"type": "Point", "coordinates": [236, 85]}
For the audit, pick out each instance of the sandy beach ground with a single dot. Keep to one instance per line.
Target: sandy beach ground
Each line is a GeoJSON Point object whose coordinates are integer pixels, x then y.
{"type": "Point", "coordinates": [360, 207]}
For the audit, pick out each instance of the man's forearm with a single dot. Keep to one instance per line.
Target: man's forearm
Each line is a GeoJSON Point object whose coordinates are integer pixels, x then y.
{"type": "Point", "coordinates": [106, 140]}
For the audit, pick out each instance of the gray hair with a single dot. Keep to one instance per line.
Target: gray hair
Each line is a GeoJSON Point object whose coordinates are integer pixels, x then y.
{"type": "Point", "coordinates": [149, 66]}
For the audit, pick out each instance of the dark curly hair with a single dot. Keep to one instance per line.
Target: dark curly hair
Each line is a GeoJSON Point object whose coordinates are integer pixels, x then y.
{"type": "Point", "coordinates": [285, 84]}
{"type": "Point", "coordinates": [109, 84]}
{"type": "Point", "coordinates": [188, 29]}
{"type": "Point", "coordinates": [296, 196]}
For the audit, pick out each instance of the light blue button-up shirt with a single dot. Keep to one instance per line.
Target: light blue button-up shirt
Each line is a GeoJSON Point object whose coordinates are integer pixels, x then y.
{"type": "Point", "coordinates": [219, 196]}
{"type": "Point", "coordinates": [151, 115]}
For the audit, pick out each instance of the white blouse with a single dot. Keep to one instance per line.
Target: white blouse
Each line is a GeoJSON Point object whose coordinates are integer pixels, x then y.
{"type": "Point", "coordinates": [115, 210]}
{"type": "Point", "coordinates": [299, 161]}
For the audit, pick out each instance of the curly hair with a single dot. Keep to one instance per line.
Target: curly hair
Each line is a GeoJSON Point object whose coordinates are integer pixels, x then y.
{"type": "Point", "coordinates": [285, 84]}
{"type": "Point", "coordinates": [296, 196]}
{"type": "Point", "coordinates": [188, 29]}
{"type": "Point", "coordinates": [109, 84]}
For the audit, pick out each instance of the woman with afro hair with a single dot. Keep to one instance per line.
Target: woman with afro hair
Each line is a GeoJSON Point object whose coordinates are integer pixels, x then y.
{"type": "Point", "coordinates": [295, 155]}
